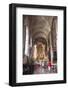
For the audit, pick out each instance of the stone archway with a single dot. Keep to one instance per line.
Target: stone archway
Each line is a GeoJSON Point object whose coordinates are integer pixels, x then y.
{"type": "Point", "coordinates": [40, 49]}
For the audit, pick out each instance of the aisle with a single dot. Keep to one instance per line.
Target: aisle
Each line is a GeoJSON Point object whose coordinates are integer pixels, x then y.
{"type": "Point", "coordinates": [44, 69]}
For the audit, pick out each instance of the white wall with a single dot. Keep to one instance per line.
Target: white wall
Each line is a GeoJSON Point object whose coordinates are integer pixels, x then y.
{"type": "Point", "coordinates": [4, 43]}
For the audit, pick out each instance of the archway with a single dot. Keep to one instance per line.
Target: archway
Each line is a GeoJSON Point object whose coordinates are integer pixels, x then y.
{"type": "Point", "coordinates": [40, 49]}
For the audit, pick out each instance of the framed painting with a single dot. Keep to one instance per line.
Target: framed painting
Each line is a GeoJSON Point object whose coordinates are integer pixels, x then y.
{"type": "Point", "coordinates": [37, 44]}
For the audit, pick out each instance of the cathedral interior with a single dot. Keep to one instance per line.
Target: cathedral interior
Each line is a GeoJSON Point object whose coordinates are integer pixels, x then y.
{"type": "Point", "coordinates": [39, 44]}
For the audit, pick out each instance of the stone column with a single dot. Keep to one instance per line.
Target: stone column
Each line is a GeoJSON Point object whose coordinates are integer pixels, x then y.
{"type": "Point", "coordinates": [51, 50]}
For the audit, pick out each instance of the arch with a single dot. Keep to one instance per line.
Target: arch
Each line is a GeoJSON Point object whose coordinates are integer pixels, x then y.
{"type": "Point", "coordinates": [39, 34]}
{"type": "Point", "coordinates": [42, 40]}
{"type": "Point", "coordinates": [44, 31]}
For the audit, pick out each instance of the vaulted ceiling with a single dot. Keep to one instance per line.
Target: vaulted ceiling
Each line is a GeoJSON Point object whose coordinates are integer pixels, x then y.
{"type": "Point", "coordinates": [40, 26]}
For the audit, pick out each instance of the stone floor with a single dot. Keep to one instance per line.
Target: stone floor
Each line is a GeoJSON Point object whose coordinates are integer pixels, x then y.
{"type": "Point", "coordinates": [39, 69]}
